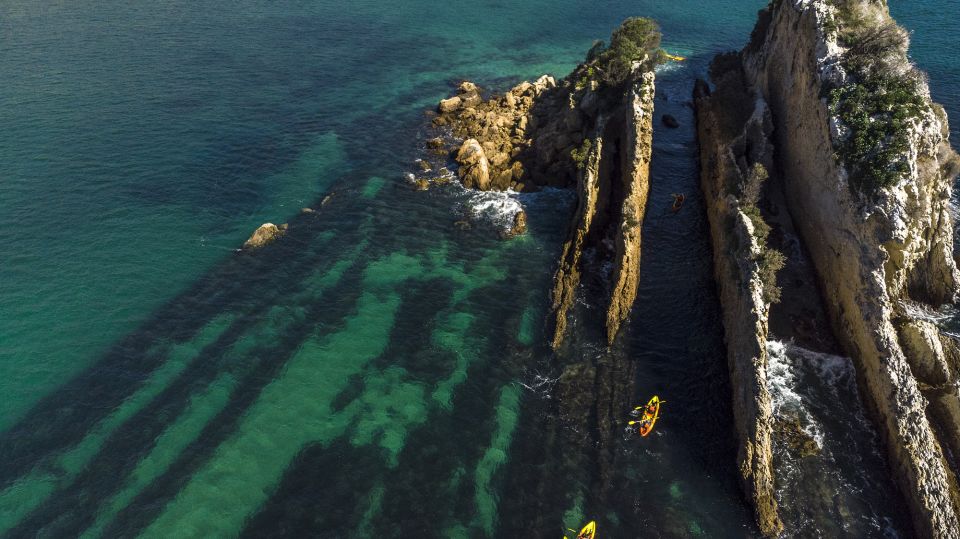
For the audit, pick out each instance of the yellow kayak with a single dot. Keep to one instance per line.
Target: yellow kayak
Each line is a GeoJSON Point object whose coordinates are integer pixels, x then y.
{"type": "Point", "coordinates": [588, 532]}
{"type": "Point", "coordinates": [650, 414]}
{"type": "Point", "coordinates": [674, 58]}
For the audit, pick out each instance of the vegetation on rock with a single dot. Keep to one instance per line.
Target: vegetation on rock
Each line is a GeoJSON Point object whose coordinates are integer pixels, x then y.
{"type": "Point", "coordinates": [579, 155]}
{"type": "Point", "coordinates": [882, 98]}
{"type": "Point", "coordinates": [769, 261]}
{"type": "Point", "coordinates": [636, 40]}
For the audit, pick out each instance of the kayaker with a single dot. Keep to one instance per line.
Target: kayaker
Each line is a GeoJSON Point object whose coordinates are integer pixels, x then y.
{"type": "Point", "coordinates": [678, 199]}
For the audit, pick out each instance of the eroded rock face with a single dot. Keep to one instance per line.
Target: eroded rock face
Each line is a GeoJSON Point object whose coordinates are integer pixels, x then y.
{"type": "Point", "coordinates": [265, 234]}
{"type": "Point", "coordinates": [578, 132]}
{"type": "Point", "coordinates": [612, 191]}
{"type": "Point", "coordinates": [527, 133]}
{"type": "Point", "coordinates": [734, 138]}
{"type": "Point", "coordinates": [638, 146]}
{"type": "Point", "coordinates": [871, 255]}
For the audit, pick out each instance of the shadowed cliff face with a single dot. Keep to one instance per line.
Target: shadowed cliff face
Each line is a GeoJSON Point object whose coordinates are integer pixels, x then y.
{"type": "Point", "coordinates": [734, 144]}
{"type": "Point", "coordinates": [875, 253]}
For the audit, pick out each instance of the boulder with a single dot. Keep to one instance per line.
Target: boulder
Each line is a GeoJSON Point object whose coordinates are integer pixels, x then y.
{"type": "Point", "coordinates": [522, 88]}
{"type": "Point", "coordinates": [267, 233]}
{"type": "Point", "coordinates": [502, 180]}
{"type": "Point", "coordinates": [470, 100]}
{"type": "Point", "coordinates": [422, 165]}
{"type": "Point", "coordinates": [670, 121]}
{"type": "Point", "coordinates": [474, 168]}
{"type": "Point", "coordinates": [467, 87]}
{"type": "Point", "coordinates": [437, 146]}
{"type": "Point", "coordinates": [519, 226]}
{"type": "Point", "coordinates": [545, 82]}
{"type": "Point", "coordinates": [517, 170]}
{"type": "Point", "coordinates": [450, 105]}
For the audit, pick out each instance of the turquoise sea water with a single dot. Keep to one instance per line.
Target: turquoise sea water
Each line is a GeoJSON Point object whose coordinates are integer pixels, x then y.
{"type": "Point", "coordinates": [378, 372]}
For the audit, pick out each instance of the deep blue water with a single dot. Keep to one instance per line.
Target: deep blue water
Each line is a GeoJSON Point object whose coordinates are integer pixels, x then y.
{"type": "Point", "coordinates": [378, 371]}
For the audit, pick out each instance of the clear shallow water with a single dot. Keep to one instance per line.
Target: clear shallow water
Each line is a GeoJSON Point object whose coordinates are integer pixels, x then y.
{"type": "Point", "coordinates": [364, 376]}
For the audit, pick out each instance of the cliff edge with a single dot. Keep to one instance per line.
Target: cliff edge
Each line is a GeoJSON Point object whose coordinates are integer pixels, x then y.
{"type": "Point", "coordinates": [866, 167]}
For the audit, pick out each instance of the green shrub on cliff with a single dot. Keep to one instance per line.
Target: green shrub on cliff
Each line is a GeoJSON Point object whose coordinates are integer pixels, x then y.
{"type": "Point", "coordinates": [881, 100]}
{"type": "Point", "coordinates": [636, 40]}
{"type": "Point", "coordinates": [579, 155]}
{"type": "Point", "coordinates": [878, 113]}
{"type": "Point", "coordinates": [769, 261]}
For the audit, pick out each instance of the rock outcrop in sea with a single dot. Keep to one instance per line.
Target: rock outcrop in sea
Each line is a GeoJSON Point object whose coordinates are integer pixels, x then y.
{"type": "Point", "coordinates": [733, 128]}
{"type": "Point", "coordinates": [863, 159]}
{"type": "Point", "coordinates": [592, 130]}
{"type": "Point", "coordinates": [265, 234]}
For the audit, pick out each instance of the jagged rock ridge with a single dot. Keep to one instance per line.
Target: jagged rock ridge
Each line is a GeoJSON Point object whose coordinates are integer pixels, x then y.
{"type": "Point", "coordinates": [733, 129]}
{"type": "Point", "coordinates": [593, 130]}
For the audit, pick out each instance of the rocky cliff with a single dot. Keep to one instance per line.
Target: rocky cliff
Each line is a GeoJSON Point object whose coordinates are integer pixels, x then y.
{"type": "Point", "coordinates": [733, 128]}
{"type": "Point", "coordinates": [592, 130]}
{"type": "Point", "coordinates": [866, 169]}
{"type": "Point", "coordinates": [612, 198]}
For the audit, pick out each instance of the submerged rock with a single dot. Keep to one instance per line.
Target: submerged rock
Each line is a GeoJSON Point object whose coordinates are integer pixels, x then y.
{"type": "Point", "coordinates": [797, 440]}
{"type": "Point", "coordinates": [264, 235]}
{"type": "Point", "coordinates": [670, 121]}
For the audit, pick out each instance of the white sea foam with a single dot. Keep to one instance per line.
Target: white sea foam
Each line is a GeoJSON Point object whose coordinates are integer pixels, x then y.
{"type": "Point", "coordinates": [783, 385]}
{"type": "Point", "coordinates": [498, 208]}
{"type": "Point", "coordinates": [781, 380]}
{"type": "Point", "coordinates": [922, 312]}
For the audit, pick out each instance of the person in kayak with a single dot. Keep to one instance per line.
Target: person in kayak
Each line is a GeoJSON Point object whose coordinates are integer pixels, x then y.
{"type": "Point", "coordinates": [649, 409]}
{"type": "Point", "coordinates": [678, 199]}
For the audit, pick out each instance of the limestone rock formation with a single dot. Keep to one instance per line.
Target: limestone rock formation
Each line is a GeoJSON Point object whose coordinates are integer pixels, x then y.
{"type": "Point", "coordinates": [734, 142]}
{"type": "Point", "coordinates": [612, 194]}
{"type": "Point", "coordinates": [265, 234]}
{"type": "Point", "coordinates": [876, 224]}
{"type": "Point", "coordinates": [591, 130]}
